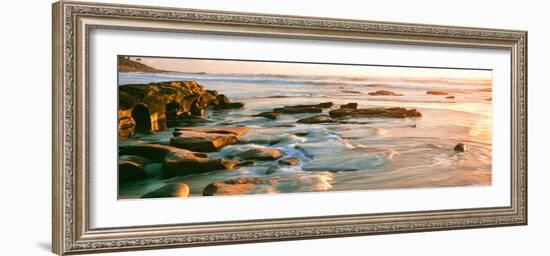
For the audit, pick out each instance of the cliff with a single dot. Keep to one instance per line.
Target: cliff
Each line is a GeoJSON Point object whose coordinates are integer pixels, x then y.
{"type": "Point", "coordinates": [127, 65]}
{"type": "Point", "coordinates": [149, 107]}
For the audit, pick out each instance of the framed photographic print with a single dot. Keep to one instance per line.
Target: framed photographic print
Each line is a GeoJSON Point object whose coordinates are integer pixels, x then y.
{"type": "Point", "coordinates": [178, 127]}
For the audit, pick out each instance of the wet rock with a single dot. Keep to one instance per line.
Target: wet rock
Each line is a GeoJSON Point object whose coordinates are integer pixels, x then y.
{"type": "Point", "coordinates": [460, 147]}
{"type": "Point", "coordinates": [384, 93]}
{"type": "Point", "coordinates": [350, 91]}
{"type": "Point", "coordinates": [222, 102]}
{"type": "Point", "coordinates": [185, 162]}
{"type": "Point", "coordinates": [150, 107]}
{"type": "Point", "coordinates": [450, 97]}
{"type": "Point", "coordinates": [297, 110]}
{"type": "Point", "coordinates": [247, 163]}
{"type": "Point", "coordinates": [302, 134]}
{"type": "Point", "coordinates": [206, 139]}
{"type": "Point", "coordinates": [136, 159]}
{"type": "Point", "coordinates": [396, 112]}
{"type": "Point", "coordinates": [289, 161]}
{"type": "Point", "coordinates": [269, 115]}
{"type": "Point", "coordinates": [352, 105]}
{"type": "Point", "coordinates": [261, 154]}
{"type": "Point", "coordinates": [153, 152]}
{"type": "Point", "coordinates": [437, 92]}
{"type": "Point", "coordinates": [230, 105]}
{"type": "Point", "coordinates": [325, 104]}
{"type": "Point", "coordinates": [222, 99]}
{"type": "Point", "coordinates": [126, 127]}
{"type": "Point", "coordinates": [237, 186]}
{"type": "Point", "coordinates": [313, 108]}
{"type": "Point", "coordinates": [131, 171]}
{"type": "Point", "coordinates": [170, 190]}
{"type": "Point", "coordinates": [304, 151]}
{"type": "Point", "coordinates": [272, 169]}
{"type": "Point", "coordinates": [316, 120]}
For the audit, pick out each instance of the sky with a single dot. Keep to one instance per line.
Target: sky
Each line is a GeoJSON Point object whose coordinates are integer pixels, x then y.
{"type": "Point", "coordinates": [278, 68]}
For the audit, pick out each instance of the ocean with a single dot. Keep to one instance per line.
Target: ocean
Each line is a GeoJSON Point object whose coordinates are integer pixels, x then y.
{"type": "Point", "coordinates": [365, 153]}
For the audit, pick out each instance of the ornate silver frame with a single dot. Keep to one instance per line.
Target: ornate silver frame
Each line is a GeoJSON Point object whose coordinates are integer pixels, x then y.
{"type": "Point", "coordinates": [72, 21]}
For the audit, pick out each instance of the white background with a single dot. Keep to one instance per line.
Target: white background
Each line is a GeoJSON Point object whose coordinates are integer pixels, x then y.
{"type": "Point", "coordinates": [26, 148]}
{"type": "Point", "coordinates": [106, 211]}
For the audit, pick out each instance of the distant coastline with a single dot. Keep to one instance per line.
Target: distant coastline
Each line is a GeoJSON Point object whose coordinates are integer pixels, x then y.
{"type": "Point", "coordinates": [127, 65]}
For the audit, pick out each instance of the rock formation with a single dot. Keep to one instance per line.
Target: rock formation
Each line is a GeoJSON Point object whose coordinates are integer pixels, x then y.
{"type": "Point", "coordinates": [395, 112]}
{"type": "Point", "coordinates": [148, 107]}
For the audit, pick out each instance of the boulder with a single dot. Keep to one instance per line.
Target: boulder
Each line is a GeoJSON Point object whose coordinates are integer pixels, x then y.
{"type": "Point", "coordinates": [206, 139]}
{"type": "Point", "coordinates": [396, 112]}
{"type": "Point", "coordinates": [269, 115]}
{"type": "Point", "coordinates": [131, 171]}
{"type": "Point", "coordinates": [136, 159]}
{"type": "Point", "coordinates": [320, 119]}
{"type": "Point", "coordinates": [460, 147]}
{"type": "Point", "coordinates": [222, 102]}
{"type": "Point", "coordinates": [170, 190]}
{"type": "Point", "coordinates": [352, 105]}
{"type": "Point", "coordinates": [289, 161]}
{"type": "Point", "coordinates": [185, 162]}
{"type": "Point", "coordinates": [261, 154]}
{"type": "Point", "coordinates": [237, 186]}
{"type": "Point", "coordinates": [437, 92]}
{"type": "Point", "coordinates": [384, 93]}
{"type": "Point", "coordinates": [153, 152]}
{"type": "Point", "coordinates": [222, 99]}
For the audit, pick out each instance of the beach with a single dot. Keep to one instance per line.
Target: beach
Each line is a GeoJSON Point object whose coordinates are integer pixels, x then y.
{"type": "Point", "coordinates": [341, 154]}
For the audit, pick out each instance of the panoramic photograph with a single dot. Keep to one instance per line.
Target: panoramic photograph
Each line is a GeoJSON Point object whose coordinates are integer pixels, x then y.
{"type": "Point", "coordinates": [191, 127]}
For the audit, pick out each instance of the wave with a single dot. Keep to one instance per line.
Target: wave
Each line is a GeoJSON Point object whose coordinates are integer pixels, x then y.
{"type": "Point", "coordinates": [286, 80]}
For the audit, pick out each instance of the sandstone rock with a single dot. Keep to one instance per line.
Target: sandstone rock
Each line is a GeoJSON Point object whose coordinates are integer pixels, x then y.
{"type": "Point", "coordinates": [437, 92]}
{"type": "Point", "coordinates": [460, 147]}
{"type": "Point", "coordinates": [261, 154]}
{"type": "Point", "coordinates": [269, 115]}
{"type": "Point", "coordinates": [185, 162]}
{"type": "Point", "coordinates": [222, 99]}
{"type": "Point", "coordinates": [144, 107]}
{"type": "Point", "coordinates": [384, 93]}
{"type": "Point", "coordinates": [316, 120]}
{"type": "Point", "coordinates": [130, 171]}
{"type": "Point", "coordinates": [154, 152]}
{"type": "Point", "coordinates": [222, 102]}
{"type": "Point", "coordinates": [126, 127]}
{"type": "Point", "coordinates": [206, 139]}
{"type": "Point", "coordinates": [352, 105]}
{"type": "Point", "coordinates": [236, 186]}
{"type": "Point", "coordinates": [170, 190]}
{"type": "Point", "coordinates": [289, 161]}
{"type": "Point", "coordinates": [396, 112]}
